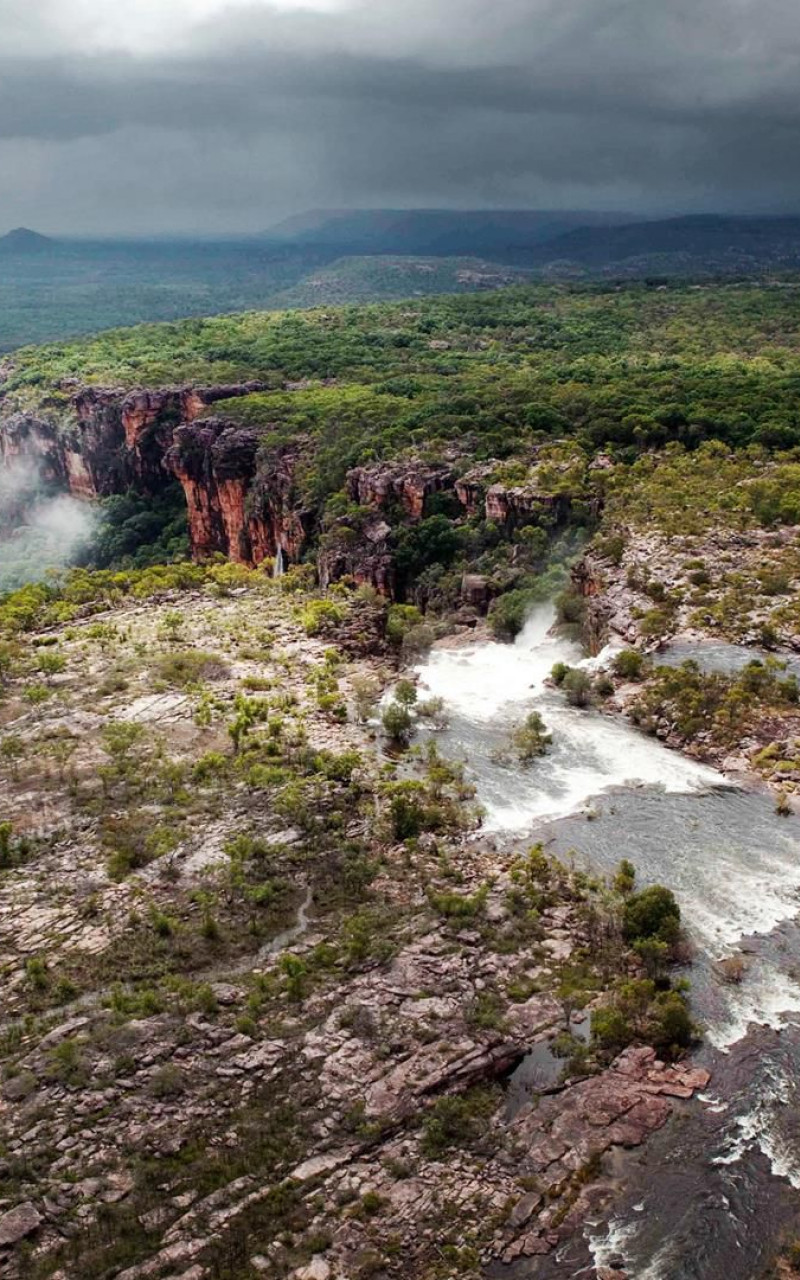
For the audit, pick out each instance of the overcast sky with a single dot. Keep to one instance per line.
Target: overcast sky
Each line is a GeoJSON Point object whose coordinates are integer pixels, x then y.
{"type": "Point", "coordinates": [214, 115]}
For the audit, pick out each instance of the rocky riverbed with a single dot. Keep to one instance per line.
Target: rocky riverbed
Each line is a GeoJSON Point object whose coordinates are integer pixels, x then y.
{"type": "Point", "coordinates": [720, 602]}
{"type": "Point", "coordinates": [263, 986]}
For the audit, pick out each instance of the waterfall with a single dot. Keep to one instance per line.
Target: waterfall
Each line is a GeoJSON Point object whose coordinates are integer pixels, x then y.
{"type": "Point", "coordinates": [488, 688]}
{"type": "Point", "coordinates": [714, 1191]}
{"type": "Point", "coordinates": [279, 567]}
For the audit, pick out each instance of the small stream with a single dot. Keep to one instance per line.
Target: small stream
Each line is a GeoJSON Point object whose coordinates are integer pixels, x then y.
{"type": "Point", "coordinates": [712, 1192]}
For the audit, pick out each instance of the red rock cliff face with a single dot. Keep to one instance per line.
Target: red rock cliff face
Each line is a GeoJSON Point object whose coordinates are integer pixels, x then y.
{"type": "Point", "coordinates": [409, 484]}
{"type": "Point", "coordinates": [521, 503]}
{"type": "Point", "coordinates": [124, 436]}
{"type": "Point", "coordinates": [243, 507]}
{"type": "Point", "coordinates": [107, 440]}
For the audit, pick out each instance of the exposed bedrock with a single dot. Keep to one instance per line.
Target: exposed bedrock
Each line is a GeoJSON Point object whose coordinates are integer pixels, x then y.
{"type": "Point", "coordinates": [410, 484]}
{"type": "Point", "coordinates": [361, 553]}
{"type": "Point", "coordinates": [239, 504]}
{"type": "Point", "coordinates": [243, 501]}
{"type": "Point", "coordinates": [106, 440]}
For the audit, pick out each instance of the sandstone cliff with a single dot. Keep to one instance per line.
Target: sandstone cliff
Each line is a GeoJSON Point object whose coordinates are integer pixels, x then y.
{"type": "Point", "coordinates": [244, 501]}
{"type": "Point", "coordinates": [245, 510]}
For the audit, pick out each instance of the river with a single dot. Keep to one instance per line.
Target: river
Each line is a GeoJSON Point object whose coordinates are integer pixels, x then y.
{"type": "Point", "coordinates": [710, 1195]}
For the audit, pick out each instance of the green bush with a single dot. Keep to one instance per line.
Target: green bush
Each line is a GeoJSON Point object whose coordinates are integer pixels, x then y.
{"type": "Point", "coordinates": [457, 1121]}
{"type": "Point", "coordinates": [321, 617]}
{"type": "Point", "coordinates": [397, 724]}
{"type": "Point", "coordinates": [628, 664]}
{"type": "Point", "coordinates": [531, 738]}
{"type": "Point", "coordinates": [508, 613]}
{"type": "Point", "coordinates": [400, 620]}
{"type": "Point", "coordinates": [577, 685]}
{"type": "Point", "coordinates": [652, 913]}
{"type": "Point", "coordinates": [189, 667]}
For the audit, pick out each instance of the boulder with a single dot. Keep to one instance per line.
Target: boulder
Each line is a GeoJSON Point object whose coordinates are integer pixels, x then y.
{"type": "Point", "coordinates": [476, 591]}
{"type": "Point", "coordinates": [19, 1222]}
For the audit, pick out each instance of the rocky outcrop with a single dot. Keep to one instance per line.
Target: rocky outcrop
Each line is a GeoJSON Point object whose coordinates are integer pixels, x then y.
{"type": "Point", "coordinates": [603, 615]}
{"type": "Point", "coordinates": [242, 502]}
{"type": "Point", "coordinates": [239, 504]}
{"type": "Point", "coordinates": [105, 440]}
{"type": "Point", "coordinates": [476, 591]}
{"type": "Point", "coordinates": [521, 504]}
{"type": "Point", "coordinates": [567, 1133]}
{"type": "Point", "coordinates": [471, 487]}
{"type": "Point", "coordinates": [18, 1223]}
{"type": "Point", "coordinates": [359, 551]}
{"type": "Point", "coordinates": [409, 484]}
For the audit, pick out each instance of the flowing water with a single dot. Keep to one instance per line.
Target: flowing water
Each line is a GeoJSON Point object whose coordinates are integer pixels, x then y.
{"type": "Point", "coordinates": [718, 655]}
{"type": "Point", "coordinates": [713, 1190]}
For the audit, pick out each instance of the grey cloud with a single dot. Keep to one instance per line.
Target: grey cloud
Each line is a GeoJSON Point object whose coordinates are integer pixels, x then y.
{"type": "Point", "coordinates": [659, 106]}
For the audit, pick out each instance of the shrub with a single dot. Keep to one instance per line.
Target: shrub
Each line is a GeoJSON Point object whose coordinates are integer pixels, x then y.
{"type": "Point", "coordinates": [628, 664]}
{"type": "Point", "coordinates": [508, 613]}
{"type": "Point", "coordinates": [651, 913]}
{"type": "Point", "coordinates": [531, 738]}
{"type": "Point", "coordinates": [577, 685]}
{"type": "Point", "coordinates": [51, 664]}
{"type": "Point", "coordinates": [433, 709]}
{"type": "Point", "coordinates": [672, 1027]}
{"type": "Point", "coordinates": [571, 609]}
{"type": "Point", "coordinates": [400, 619]}
{"type": "Point", "coordinates": [188, 667]}
{"type": "Point", "coordinates": [625, 877]}
{"type": "Point", "coordinates": [295, 972]}
{"type": "Point", "coordinates": [610, 1028]}
{"type": "Point", "coordinates": [366, 690]}
{"type": "Point", "coordinates": [11, 849]}
{"type": "Point", "coordinates": [397, 724]}
{"type": "Point", "coordinates": [167, 1082]}
{"type": "Point", "coordinates": [458, 1121]}
{"type": "Point", "coordinates": [66, 1063]}
{"type": "Point", "coordinates": [611, 547]}
{"type": "Point", "coordinates": [459, 906]}
{"type": "Point", "coordinates": [408, 817]}
{"type": "Point", "coordinates": [417, 640]}
{"type": "Point", "coordinates": [405, 693]}
{"type": "Point", "coordinates": [321, 616]}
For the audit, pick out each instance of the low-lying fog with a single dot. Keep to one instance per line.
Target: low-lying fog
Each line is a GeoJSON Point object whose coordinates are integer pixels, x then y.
{"type": "Point", "coordinates": [39, 530]}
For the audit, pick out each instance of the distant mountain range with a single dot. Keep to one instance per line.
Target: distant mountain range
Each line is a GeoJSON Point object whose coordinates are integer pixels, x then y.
{"type": "Point", "coordinates": [435, 231]}
{"type": "Point", "coordinates": [569, 242]}
{"type": "Point", "coordinates": [56, 288]}
{"type": "Point", "coordinates": [707, 243]}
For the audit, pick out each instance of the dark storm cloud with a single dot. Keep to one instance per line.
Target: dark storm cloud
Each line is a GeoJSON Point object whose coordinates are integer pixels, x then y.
{"type": "Point", "coordinates": [247, 114]}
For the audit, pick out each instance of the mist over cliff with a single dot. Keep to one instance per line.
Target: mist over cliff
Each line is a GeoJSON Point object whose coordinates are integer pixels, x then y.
{"type": "Point", "coordinates": [39, 530]}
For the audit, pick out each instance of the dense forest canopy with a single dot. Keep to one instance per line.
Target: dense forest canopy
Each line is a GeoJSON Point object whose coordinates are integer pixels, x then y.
{"type": "Point", "coordinates": [633, 366]}
{"type": "Point", "coordinates": [603, 394]}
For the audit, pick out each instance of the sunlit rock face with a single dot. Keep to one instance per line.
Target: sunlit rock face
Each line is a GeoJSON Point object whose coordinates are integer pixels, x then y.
{"type": "Point", "coordinates": [103, 441]}
{"type": "Point", "coordinates": [239, 503]}
{"type": "Point", "coordinates": [409, 484]}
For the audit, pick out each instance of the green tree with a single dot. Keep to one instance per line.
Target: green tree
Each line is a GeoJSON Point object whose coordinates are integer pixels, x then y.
{"type": "Point", "coordinates": [652, 913]}
{"type": "Point", "coordinates": [397, 724]}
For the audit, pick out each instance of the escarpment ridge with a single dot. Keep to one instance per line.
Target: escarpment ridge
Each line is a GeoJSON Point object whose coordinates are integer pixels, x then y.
{"type": "Point", "coordinates": [242, 493]}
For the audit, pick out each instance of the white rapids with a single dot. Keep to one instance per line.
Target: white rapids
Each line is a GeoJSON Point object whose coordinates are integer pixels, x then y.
{"type": "Point", "coordinates": [734, 865]}
{"type": "Point", "coordinates": [488, 688]}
